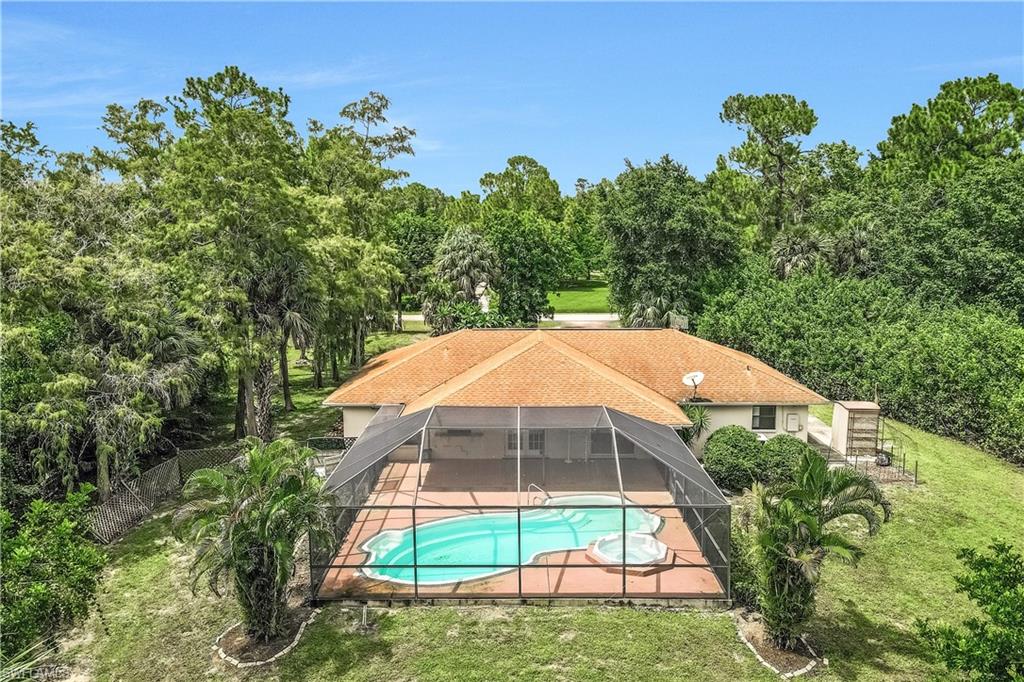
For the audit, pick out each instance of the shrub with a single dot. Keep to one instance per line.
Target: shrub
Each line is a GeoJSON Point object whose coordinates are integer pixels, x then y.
{"type": "Point", "coordinates": [992, 647]}
{"type": "Point", "coordinates": [455, 315]}
{"type": "Point", "coordinates": [779, 458]}
{"type": "Point", "coordinates": [50, 571]}
{"type": "Point", "coordinates": [731, 456]}
{"type": "Point", "coordinates": [742, 568]}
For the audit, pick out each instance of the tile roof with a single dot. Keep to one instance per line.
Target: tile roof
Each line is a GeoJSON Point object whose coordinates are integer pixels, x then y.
{"type": "Point", "coordinates": [638, 371]}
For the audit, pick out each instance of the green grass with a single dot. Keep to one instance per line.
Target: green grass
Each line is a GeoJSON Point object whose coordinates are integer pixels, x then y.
{"type": "Point", "coordinates": [310, 419]}
{"type": "Point", "coordinates": [584, 296]}
{"type": "Point", "coordinates": [526, 643]}
{"type": "Point", "coordinates": [155, 628]}
{"type": "Point", "coordinates": [865, 617]}
{"type": "Point", "coordinates": [150, 626]}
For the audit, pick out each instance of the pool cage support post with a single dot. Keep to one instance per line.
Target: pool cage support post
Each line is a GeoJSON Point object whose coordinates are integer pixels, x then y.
{"type": "Point", "coordinates": [519, 548]}
{"type": "Point", "coordinates": [623, 551]}
{"type": "Point", "coordinates": [519, 500]}
{"type": "Point", "coordinates": [415, 559]}
{"type": "Point", "coordinates": [415, 501]}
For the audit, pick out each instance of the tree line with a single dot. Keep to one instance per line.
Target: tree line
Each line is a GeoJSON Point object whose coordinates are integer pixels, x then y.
{"type": "Point", "coordinates": [210, 235]}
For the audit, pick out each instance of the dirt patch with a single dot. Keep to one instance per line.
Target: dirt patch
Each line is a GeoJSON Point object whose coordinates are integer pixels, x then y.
{"type": "Point", "coordinates": [238, 645]}
{"type": "Point", "coordinates": [782, 660]}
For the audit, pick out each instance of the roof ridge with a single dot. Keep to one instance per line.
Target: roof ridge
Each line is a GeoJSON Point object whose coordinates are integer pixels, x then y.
{"type": "Point", "coordinates": [639, 389]}
{"type": "Point", "coordinates": [758, 367]}
{"type": "Point", "coordinates": [473, 372]}
{"type": "Point", "coordinates": [610, 373]}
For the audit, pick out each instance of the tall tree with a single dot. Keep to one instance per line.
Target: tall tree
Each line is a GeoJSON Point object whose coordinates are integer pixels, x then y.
{"type": "Point", "coordinates": [524, 184]}
{"type": "Point", "coordinates": [238, 222]}
{"type": "Point", "coordinates": [665, 241]}
{"type": "Point", "coordinates": [773, 124]}
{"type": "Point", "coordinates": [415, 238]}
{"type": "Point", "coordinates": [969, 120]}
{"type": "Point", "coordinates": [525, 245]}
{"type": "Point", "coordinates": [582, 232]}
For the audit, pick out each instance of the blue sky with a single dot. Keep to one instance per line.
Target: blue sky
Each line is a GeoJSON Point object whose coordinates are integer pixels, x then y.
{"type": "Point", "coordinates": [578, 86]}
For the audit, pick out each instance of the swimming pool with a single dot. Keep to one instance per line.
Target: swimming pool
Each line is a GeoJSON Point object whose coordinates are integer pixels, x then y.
{"type": "Point", "coordinates": [455, 544]}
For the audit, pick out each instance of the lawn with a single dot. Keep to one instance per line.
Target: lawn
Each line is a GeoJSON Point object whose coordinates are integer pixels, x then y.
{"type": "Point", "coordinates": [583, 296]}
{"type": "Point", "coordinates": [152, 627]}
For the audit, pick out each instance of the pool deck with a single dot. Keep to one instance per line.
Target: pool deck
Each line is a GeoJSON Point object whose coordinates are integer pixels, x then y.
{"type": "Point", "coordinates": [451, 483]}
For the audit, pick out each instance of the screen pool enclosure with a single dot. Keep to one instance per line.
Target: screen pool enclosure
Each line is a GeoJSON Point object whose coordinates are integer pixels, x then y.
{"type": "Point", "coordinates": [531, 503]}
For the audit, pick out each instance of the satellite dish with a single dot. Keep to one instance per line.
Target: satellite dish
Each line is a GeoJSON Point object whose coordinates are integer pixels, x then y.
{"type": "Point", "coordinates": [693, 379]}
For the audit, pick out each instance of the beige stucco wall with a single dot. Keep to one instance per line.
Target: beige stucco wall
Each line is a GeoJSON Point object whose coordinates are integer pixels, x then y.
{"type": "Point", "coordinates": [742, 415]}
{"type": "Point", "coordinates": [356, 419]}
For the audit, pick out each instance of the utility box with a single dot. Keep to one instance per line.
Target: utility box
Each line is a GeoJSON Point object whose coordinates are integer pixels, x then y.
{"type": "Point", "coordinates": [856, 426]}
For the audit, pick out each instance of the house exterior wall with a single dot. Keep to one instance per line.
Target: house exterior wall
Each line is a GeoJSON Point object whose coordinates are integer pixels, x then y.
{"type": "Point", "coordinates": [743, 415]}
{"type": "Point", "coordinates": [492, 444]}
{"type": "Point", "coordinates": [356, 418]}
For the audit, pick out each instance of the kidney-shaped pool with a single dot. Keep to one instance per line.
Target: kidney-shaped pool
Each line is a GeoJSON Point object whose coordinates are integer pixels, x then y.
{"type": "Point", "coordinates": [456, 548]}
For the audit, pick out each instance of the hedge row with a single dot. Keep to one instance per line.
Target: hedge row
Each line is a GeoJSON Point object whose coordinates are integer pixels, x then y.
{"type": "Point", "coordinates": [956, 371]}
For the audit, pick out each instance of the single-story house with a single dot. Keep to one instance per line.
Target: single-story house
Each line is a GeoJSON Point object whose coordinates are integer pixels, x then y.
{"type": "Point", "coordinates": [638, 371]}
{"type": "Point", "coordinates": [538, 465]}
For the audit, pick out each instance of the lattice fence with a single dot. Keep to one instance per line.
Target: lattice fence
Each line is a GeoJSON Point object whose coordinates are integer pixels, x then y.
{"type": "Point", "coordinates": [192, 460]}
{"type": "Point", "coordinates": [135, 499]}
{"type": "Point", "coordinates": [330, 443]}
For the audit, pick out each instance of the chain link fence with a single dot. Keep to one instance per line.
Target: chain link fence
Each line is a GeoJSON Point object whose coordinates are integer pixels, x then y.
{"type": "Point", "coordinates": [135, 499]}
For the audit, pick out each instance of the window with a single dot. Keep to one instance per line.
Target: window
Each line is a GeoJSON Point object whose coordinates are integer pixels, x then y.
{"type": "Point", "coordinates": [536, 441]}
{"type": "Point", "coordinates": [511, 441]}
{"type": "Point", "coordinates": [764, 418]}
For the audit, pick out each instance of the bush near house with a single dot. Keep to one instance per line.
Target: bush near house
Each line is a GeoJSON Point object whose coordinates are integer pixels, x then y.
{"type": "Point", "coordinates": [735, 458]}
{"type": "Point", "coordinates": [731, 456]}
{"type": "Point", "coordinates": [779, 458]}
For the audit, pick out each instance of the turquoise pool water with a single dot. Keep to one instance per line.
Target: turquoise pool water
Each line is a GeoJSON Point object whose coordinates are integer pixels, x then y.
{"type": "Point", "coordinates": [490, 538]}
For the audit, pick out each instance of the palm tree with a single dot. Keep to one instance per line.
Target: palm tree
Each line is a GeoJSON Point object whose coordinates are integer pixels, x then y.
{"type": "Point", "coordinates": [245, 522]}
{"type": "Point", "coordinates": [653, 310]}
{"type": "Point", "coordinates": [700, 422]}
{"type": "Point", "coordinates": [465, 260]}
{"type": "Point", "coordinates": [799, 249]}
{"type": "Point", "coordinates": [851, 250]}
{"type": "Point", "coordinates": [793, 538]}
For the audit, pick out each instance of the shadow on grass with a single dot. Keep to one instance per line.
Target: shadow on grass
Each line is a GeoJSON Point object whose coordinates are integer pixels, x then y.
{"type": "Point", "coordinates": [854, 644]}
{"type": "Point", "coordinates": [332, 647]}
{"type": "Point", "coordinates": [147, 540]}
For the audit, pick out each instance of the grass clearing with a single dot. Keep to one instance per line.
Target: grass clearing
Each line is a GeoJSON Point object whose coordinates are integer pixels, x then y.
{"type": "Point", "coordinates": [156, 629]}
{"type": "Point", "coordinates": [967, 498]}
{"type": "Point", "coordinates": [582, 296]}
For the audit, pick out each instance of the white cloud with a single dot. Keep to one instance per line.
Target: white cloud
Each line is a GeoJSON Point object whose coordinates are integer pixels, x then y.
{"type": "Point", "coordinates": [356, 71]}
